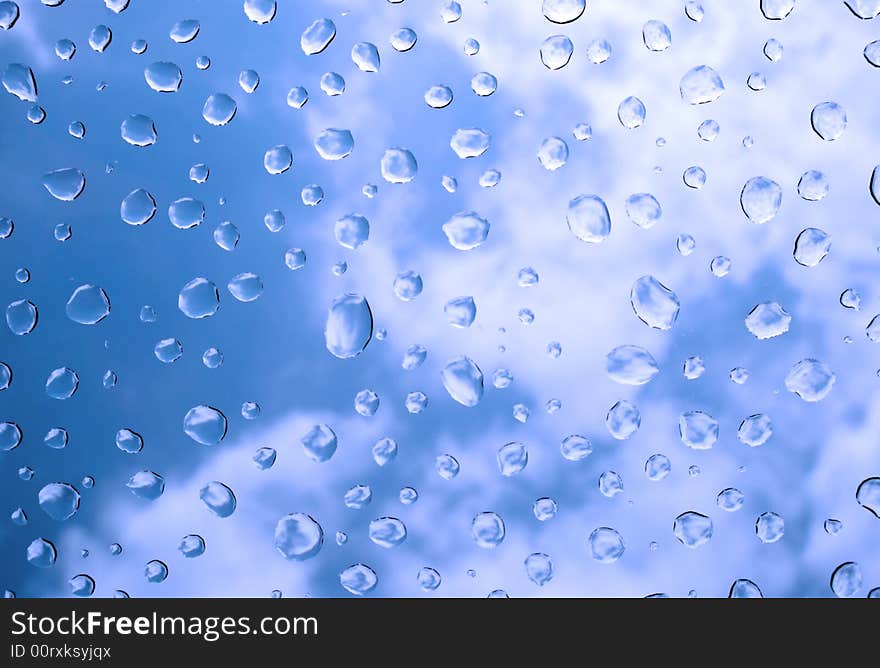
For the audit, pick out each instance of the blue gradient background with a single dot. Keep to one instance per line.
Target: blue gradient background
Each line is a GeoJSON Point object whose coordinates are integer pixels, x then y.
{"type": "Point", "coordinates": [274, 348]}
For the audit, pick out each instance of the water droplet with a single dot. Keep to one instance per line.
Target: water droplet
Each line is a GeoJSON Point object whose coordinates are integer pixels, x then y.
{"type": "Point", "coordinates": [698, 430]}
{"type": "Point", "coordinates": [359, 579]}
{"type": "Point", "coordinates": [219, 109]}
{"type": "Point", "coordinates": [9, 14]}
{"type": "Point", "coordinates": [277, 159]}
{"type": "Point", "coordinates": [62, 383]}
{"type": "Point", "coordinates": [656, 36]}
{"type": "Point", "coordinates": [460, 312]}
{"type": "Point", "coordinates": [470, 142]}
{"type": "Point", "coordinates": [539, 568]}
{"type": "Point", "coordinates": [810, 379]}
{"type": "Point", "coordinates": [588, 218]}
{"type": "Point", "coordinates": [398, 165]}
{"type": "Point", "coordinates": [512, 458]}
{"type": "Point", "coordinates": [598, 51]}
{"type": "Point", "coordinates": [319, 443]}
{"type": "Point", "coordinates": [129, 441]}
{"type": "Point", "coordinates": [146, 485]}
{"type": "Point", "coordinates": [767, 320]}
{"type": "Point", "coordinates": [88, 305]}
{"type": "Point", "coordinates": [701, 85]}
{"type": "Point", "coordinates": [654, 304]}
{"type": "Point", "coordinates": [414, 357]}
{"type": "Point", "coordinates": [657, 467]}
{"type": "Point", "coordinates": [59, 500]}
{"type": "Point", "coordinates": [317, 36]}
{"type": "Point", "coordinates": [775, 10]}
{"type": "Point", "coordinates": [41, 553]}
{"type": "Point", "coordinates": [692, 529]}
{"type": "Point", "coordinates": [184, 31]}
{"type": "Point", "coordinates": [556, 52]}
{"type": "Point", "coordinates": [186, 213]}
{"type": "Point", "coordinates": [563, 11]}
{"type": "Point", "coordinates": [199, 298]}
{"type": "Point", "coordinates": [387, 532]}
{"type": "Point", "coordinates": [610, 484]}
{"type": "Point", "coordinates": [450, 12]}
{"type": "Point", "coordinates": [139, 130]}
{"type": "Point", "coordinates": [868, 495]}
{"type": "Point", "coordinates": [487, 529]}
{"type": "Point", "coordinates": [811, 246]}
{"type": "Point", "coordinates": [606, 545]}
{"type": "Point", "coordinates": [245, 287]}
{"type": "Point", "coordinates": [846, 580]}
{"type": "Point", "coordinates": [471, 47]}
{"type": "Point", "coordinates": [226, 236]}
{"type": "Point", "coordinates": [828, 120]}
{"type": "Point", "coordinates": [623, 420]}
{"type": "Point", "coordinates": [769, 527]}
{"type": "Point", "coordinates": [631, 365]}
{"type": "Point", "coordinates": [403, 39]}
{"type": "Point", "coordinates": [463, 379]}
{"type": "Point", "coordinates": [643, 210]}
{"type": "Point", "coordinates": [447, 466]}
{"type": "Point", "coordinates": [349, 326]}
{"type": "Point", "coordinates": [81, 585]}
{"type": "Point", "coordinates": [65, 184]}
{"type": "Point", "coordinates": [631, 113]}
{"type": "Point", "coordinates": [553, 153]}
{"type": "Point", "coordinates": [21, 317]}
{"type": "Point", "coordinates": [218, 498]}
{"type": "Point", "coordinates": [428, 579]}
{"type": "Point", "coordinates": [755, 430]}
{"type": "Point", "coordinates": [260, 11]}
{"type": "Point", "coordinates": [138, 207]}
{"type": "Point", "coordinates": [575, 448]}
{"type": "Point", "coordinates": [163, 77]}
{"type": "Point", "coordinates": [191, 546]}
{"type": "Point", "coordinates": [264, 458]}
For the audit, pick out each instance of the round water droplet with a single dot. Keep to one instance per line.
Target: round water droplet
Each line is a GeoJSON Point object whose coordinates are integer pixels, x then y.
{"type": "Point", "coordinates": [470, 142]}
{"type": "Point", "coordinates": [563, 11]}
{"type": "Point", "coordinates": [387, 532]}
{"type": "Point", "coordinates": [828, 120]}
{"type": "Point", "coordinates": [278, 159]}
{"type": "Point", "coordinates": [191, 546]}
{"type": "Point", "coordinates": [41, 553]}
{"type": "Point", "coordinates": [59, 500]}
{"type": "Point", "coordinates": [245, 287]}
{"type": "Point", "coordinates": [769, 527]}
{"type": "Point", "coordinates": [730, 499]}
{"type": "Point", "coordinates": [657, 467]}
{"type": "Point", "coordinates": [260, 12]}
{"type": "Point", "coordinates": [186, 213]}
{"type": "Point", "coordinates": [219, 109]}
{"type": "Point", "coordinates": [692, 529]}
{"type": "Point", "coordinates": [428, 579]}
{"type": "Point", "coordinates": [21, 317]}
{"type": "Point", "coordinates": [811, 246]}
{"type": "Point", "coordinates": [88, 305]}
{"type": "Point", "coordinates": [226, 236]}
{"type": "Point", "coordinates": [606, 545]}
{"type": "Point", "coordinates": [163, 77]}
{"type": "Point", "coordinates": [138, 207]}
{"type": "Point", "coordinates": [553, 153]}
{"type": "Point", "coordinates": [631, 365]}
{"type": "Point", "coordinates": [218, 498]}
{"type": "Point", "coordinates": [755, 430]}
{"type": "Point", "coordinates": [65, 184]}
{"type": "Point", "coordinates": [138, 130]}
{"type": "Point", "coordinates": [512, 458]}
{"type": "Point", "coordinates": [488, 530]}
{"type": "Point", "coordinates": [146, 485]}
{"type": "Point", "coordinates": [768, 320]}
{"type": "Point", "coordinates": [398, 165]}
{"type": "Point", "coordinates": [463, 380]}
{"type": "Point", "coordinates": [81, 585]}
{"type": "Point", "coordinates": [656, 35]}
{"type": "Point", "coordinates": [155, 571]}
{"type": "Point", "coordinates": [539, 568]}
{"type": "Point", "coordinates": [403, 39]}
{"type": "Point", "coordinates": [810, 379]}
{"type": "Point", "coordinates": [366, 56]}
{"type": "Point", "coordinates": [319, 443]}
{"type": "Point", "coordinates": [199, 298]}
{"type": "Point", "coordinates": [776, 10]}
{"type": "Point", "coordinates": [760, 199]}
{"type": "Point", "coordinates": [631, 113]}
{"type": "Point", "coordinates": [575, 448]}
{"type": "Point", "coordinates": [205, 425]}
{"type": "Point", "coordinates": [654, 304]}
{"type": "Point", "coordinates": [743, 588]}
{"type": "Point", "coordinates": [184, 31]}
{"type": "Point", "coordinates": [298, 537]}
{"type": "Point", "coordinates": [556, 52]}
{"type": "Point", "coordinates": [588, 218]}
{"type": "Point", "coordinates": [62, 383]}
{"type": "Point", "coordinates": [623, 420]}
{"type": "Point", "coordinates": [349, 326]}
{"type": "Point", "coordinates": [698, 430]}
{"type": "Point", "coordinates": [868, 495]}
{"type": "Point", "coordinates": [701, 85]}
{"type": "Point", "coordinates": [129, 441]}
{"type": "Point", "coordinates": [359, 579]}
{"type": "Point", "coordinates": [846, 580]}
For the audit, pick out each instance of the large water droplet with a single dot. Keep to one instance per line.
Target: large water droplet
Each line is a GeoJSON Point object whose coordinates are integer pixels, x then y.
{"type": "Point", "coordinates": [470, 142]}
{"type": "Point", "coordinates": [184, 31]}
{"type": "Point", "coordinates": [319, 443]}
{"type": "Point", "coordinates": [245, 287]}
{"type": "Point", "coordinates": [398, 165]}
{"type": "Point", "coordinates": [539, 568]}
{"type": "Point", "coordinates": [588, 218]}
{"type": "Point", "coordinates": [163, 77]}
{"type": "Point", "coordinates": [62, 383]}
{"type": "Point", "coordinates": [692, 529]}
{"type": "Point", "coordinates": [460, 312]}
{"type": "Point", "coordinates": [606, 545]}
{"type": "Point", "coordinates": [65, 184]}
{"type": "Point", "coordinates": [298, 537]}
{"type": "Point", "coordinates": [556, 52]}
{"type": "Point", "coordinates": [186, 213]}
{"type": "Point", "coordinates": [359, 579]}
{"type": "Point", "coordinates": [317, 36]}
{"type": "Point", "coordinates": [698, 430]}
{"type": "Point", "coordinates": [767, 320]}
{"type": "Point", "coordinates": [219, 109]}
{"type": "Point", "coordinates": [21, 317]}
{"type": "Point", "coordinates": [41, 553]}
{"type": "Point", "coordinates": [828, 120]}
{"type": "Point", "coordinates": [199, 298]}
{"type": "Point", "coordinates": [623, 420]}
{"type": "Point", "coordinates": [138, 207]}
{"type": "Point", "coordinates": [701, 85]}
{"type": "Point", "coordinates": [769, 527]}
{"type": "Point", "coordinates": [278, 159]}
{"type": "Point", "coordinates": [744, 589]}
{"type": "Point", "coordinates": [776, 10]}
{"type": "Point", "coordinates": [643, 210]}
{"type": "Point", "coordinates": [655, 305]}
{"type": "Point", "coordinates": [631, 113]}
{"type": "Point", "coordinates": [387, 532]}
{"type": "Point", "coordinates": [466, 230]}
{"type": "Point", "coordinates": [59, 500]}
{"type": "Point", "coordinates": [219, 499]}
{"type": "Point", "coordinates": [18, 80]}
{"type": "Point", "coordinates": [553, 153]}
{"type": "Point", "coordinates": [366, 56]}
{"type": "Point", "coordinates": [512, 458]}
{"type": "Point", "coordinates": [333, 144]}
{"type": "Point", "coordinates": [868, 495]}
{"type": "Point", "coordinates": [811, 246]}
{"type": "Point", "coordinates": [563, 11]}
{"type": "Point", "coordinates": [205, 424]}
{"type": "Point", "coordinates": [139, 130]}
{"type": "Point", "coordinates": [656, 35]}
{"type": "Point", "coordinates": [10, 436]}
{"type": "Point", "coordinates": [846, 580]}
{"type": "Point", "coordinates": [349, 326]}
{"type": "Point", "coordinates": [631, 365]}
{"type": "Point", "coordinates": [260, 11]}
{"type": "Point", "coordinates": [146, 485]}
{"type": "Point", "coordinates": [760, 199]}
{"type": "Point", "coordinates": [755, 430]}
{"type": "Point", "coordinates": [810, 379]}
{"type": "Point", "coordinates": [88, 305]}
{"type": "Point", "coordinates": [487, 529]}
{"type": "Point", "coordinates": [463, 380]}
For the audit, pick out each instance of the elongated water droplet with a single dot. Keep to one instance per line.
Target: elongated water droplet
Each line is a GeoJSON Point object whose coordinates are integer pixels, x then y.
{"type": "Point", "coordinates": [631, 365]}
{"type": "Point", "coordinates": [349, 326]}
{"type": "Point", "coordinates": [65, 184]}
{"type": "Point", "coordinates": [655, 305]}
{"type": "Point", "coordinates": [218, 498]}
{"type": "Point", "coordinates": [317, 36]}
{"type": "Point", "coordinates": [463, 380]}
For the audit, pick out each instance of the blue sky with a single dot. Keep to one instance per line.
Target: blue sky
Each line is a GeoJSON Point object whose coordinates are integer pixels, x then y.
{"type": "Point", "coordinates": [274, 348]}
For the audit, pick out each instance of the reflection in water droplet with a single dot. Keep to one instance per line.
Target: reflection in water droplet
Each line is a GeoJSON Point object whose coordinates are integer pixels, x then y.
{"type": "Point", "coordinates": [606, 545]}
{"type": "Point", "coordinates": [163, 77]}
{"type": "Point", "coordinates": [760, 199]}
{"type": "Point", "coordinates": [656, 35]}
{"type": "Point", "coordinates": [556, 52]}
{"type": "Point", "coordinates": [846, 580]}
{"type": "Point", "coordinates": [692, 529]}
{"type": "Point", "coordinates": [743, 588]}
{"type": "Point", "coordinates": [768, 320]}
{"type": "Point", "coordinates": [563, 11]}
{"type": "Point", "coordinates": [81, 585]}
{"type": "Point", "coordinates": [730, 499]}
{"type": "Point", "coordinates": [463, 380]}
{"type": "Point", "coordinates": [512, 458]}
{"type": "Point", "coordinates": [349, 326]}
{"type": "Point", "coordinates": [41, 553]}
{"type": "Point", "coordinates": [470, 142]}
{"type": "Point", "coordinates": [191, 546]}
{"type": "Point", "coordinates": [62, 383]}
{"type": "Point", "coordinates": [588, 218]}
{"type": "Point", "coordinates": [138, 207]}
{"type": "Point", "coordinates": [623, 420]}
{"type": "Point", "coordinates": [219, 109]}
{"type": "Point", "coordinates": [334, 144]}
{"type": "Point", "coordinates": [387, 532]}
{"type": "Point", "coordinates": [155, 571]}
{"type": "Point", "coordinates": [539, 568]}
{"type": "Point", "coordinates": [21, 317]}
{"type": "Point", "coordinates": [129, 441]}
{"type": "Point", "coordinates": [260, 11]}
{"type": "Point", "coordinates": [487, 529]}
{"type": "Point", "coordinates": [769, 527]}
{"type": "Point", "coordinates": [775, 10]}
{"type": "Point", "coordinates": [868, 495]}
{"type": "Point", "coordinates": [199, 298]}
{"type": "Point", "coordinates": [631, 365]}
{"type": "Point", "coordinates": [245, 287]}
{"type": "Point", "coordinates": [319, 443]}
{"type": "Point", "coordinates": [398, 165]}
{"type": "Point", "coordinates": [428, 579]}
{"type": "Point", "coordinates": [146, 485]}
{"type": "Point", "coordinates": [184, 31]}
{"type": "Point", "coordinates": [139, 130]}
{"type": "Point", "coordinates": [317, 36]}
{"type": "Point", "coordinates": [631, 113]}
{"type": "Point", "coordinates": [277, 159]}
